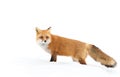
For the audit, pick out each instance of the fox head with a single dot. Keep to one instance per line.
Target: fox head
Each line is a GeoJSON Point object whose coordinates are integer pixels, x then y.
{"type": "Point", "coordinates": [43, 37]}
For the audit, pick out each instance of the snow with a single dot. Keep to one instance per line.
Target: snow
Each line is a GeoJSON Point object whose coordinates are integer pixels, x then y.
{"type": "Point", "coordinates": [91, 21]}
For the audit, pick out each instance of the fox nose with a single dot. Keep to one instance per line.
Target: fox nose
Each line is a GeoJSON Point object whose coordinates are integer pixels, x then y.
{"type": "Point", "coordinates": [45, 41]}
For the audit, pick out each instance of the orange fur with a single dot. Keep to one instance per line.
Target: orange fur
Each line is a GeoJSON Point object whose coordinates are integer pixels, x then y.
{"type": "Point", "coordinates": [57, 45]}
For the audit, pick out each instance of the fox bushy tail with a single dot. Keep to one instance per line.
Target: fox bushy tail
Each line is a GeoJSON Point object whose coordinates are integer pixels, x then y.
{"type": "Point", "coordinates": [101, 57]}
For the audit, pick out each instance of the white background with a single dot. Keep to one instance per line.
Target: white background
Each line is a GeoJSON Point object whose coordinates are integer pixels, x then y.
{"type": "Point", "coordinates": [92, 21]}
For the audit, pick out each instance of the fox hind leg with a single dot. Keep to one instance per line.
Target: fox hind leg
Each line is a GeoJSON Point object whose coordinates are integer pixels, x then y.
{"type": "Point", "coordinates": [82, 61]}
{"type": "Point", "coordinates": [74, 59]}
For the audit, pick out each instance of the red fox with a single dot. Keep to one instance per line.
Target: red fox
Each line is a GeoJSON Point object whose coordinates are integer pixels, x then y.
{"type": "Point", "coordinates": [57, 45]}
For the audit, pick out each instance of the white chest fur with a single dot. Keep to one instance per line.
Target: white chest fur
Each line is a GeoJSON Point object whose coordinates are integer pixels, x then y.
{"type": "Point", "coordinates": [45, 47]}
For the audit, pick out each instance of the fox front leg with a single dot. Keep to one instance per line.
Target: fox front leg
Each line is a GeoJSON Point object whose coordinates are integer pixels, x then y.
{"type": "Point", "coordinates": [53, 58]}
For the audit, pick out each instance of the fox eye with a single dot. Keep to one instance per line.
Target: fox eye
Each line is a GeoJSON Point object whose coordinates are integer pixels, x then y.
{"type": "Point", "coordinates": [41, 37]}
{"type": "Point", "coordinates": [47, 37]}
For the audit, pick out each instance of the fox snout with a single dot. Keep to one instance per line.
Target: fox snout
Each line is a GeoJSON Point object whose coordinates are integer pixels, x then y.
{"type": "Point", "coordinates": [43, 41]}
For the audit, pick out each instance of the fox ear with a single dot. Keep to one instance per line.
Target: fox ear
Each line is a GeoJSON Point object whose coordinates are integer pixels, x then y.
{"type": "Point", "coordinates": [49, 29]}
{"type": "Point", "coordinates": [37, 30]}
